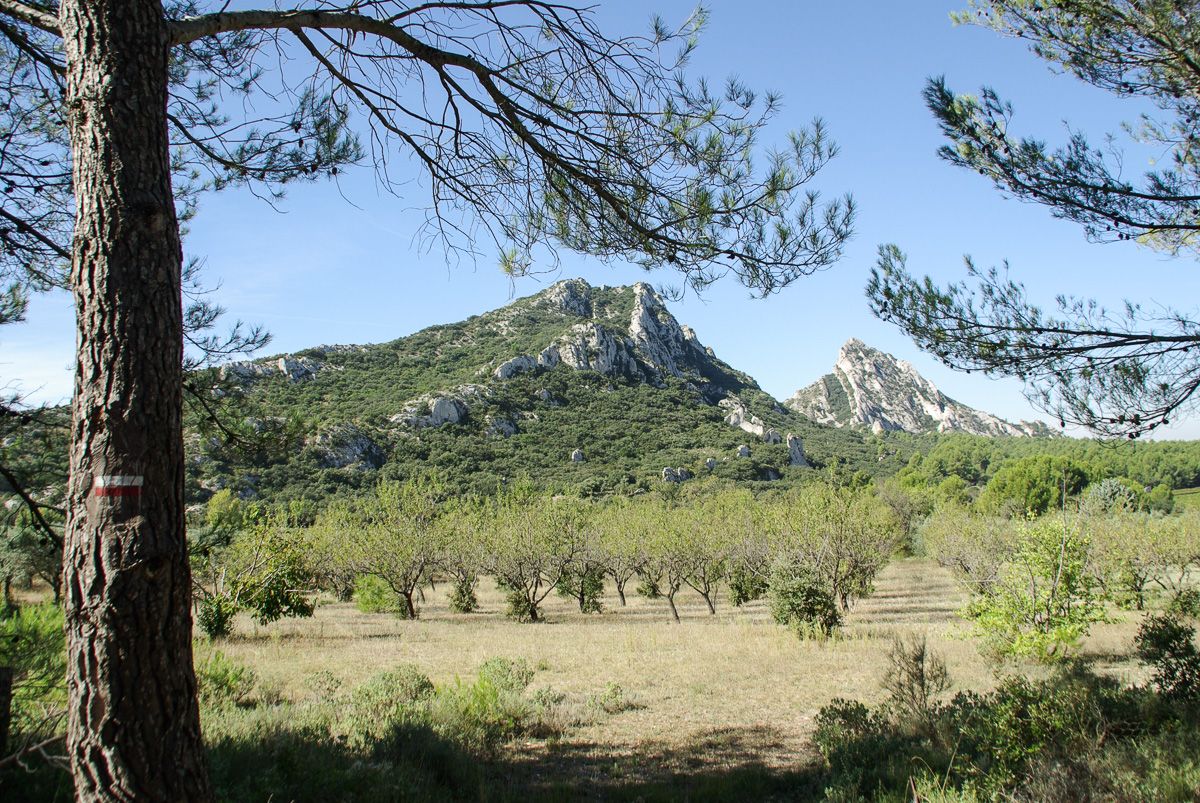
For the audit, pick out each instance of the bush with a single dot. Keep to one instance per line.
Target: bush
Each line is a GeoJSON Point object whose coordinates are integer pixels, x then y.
{"type": "Point", "coordinates": [223, 681]}
{"type": "Point", "coordinates": [1070, 736]}
{"type": "Point", "coordinates": [386, 701]}
{"type": "Point", "coordinates": [745, 586]}
{"type": "Point", "coordinates": [1169, 647]}
{"type": "Point", "coordinates": [215, 615]}
{"type": "Point", "coordinates": [32, 643]}
{"type": "Point", "coordinates": [462, 594]}
{"type": "Point", "coordinates": [801, 601]}
{"type": "Point", "coordinates": [372, 595]}
{"type": "Point", "coordinates": [1044, 599]}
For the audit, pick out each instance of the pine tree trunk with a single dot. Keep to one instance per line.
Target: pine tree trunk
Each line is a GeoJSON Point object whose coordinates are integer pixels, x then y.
{"type": "Point", "coordinates": [134, 726]}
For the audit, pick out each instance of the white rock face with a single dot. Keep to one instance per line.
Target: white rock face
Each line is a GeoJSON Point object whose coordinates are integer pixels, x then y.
{"type": "Point", "coordinates": [738, 416]}
{"type": "Point", "coordinates": [435, 411]}
{"type": "Point", "coordinates": [869, 388]}
{"type": "Point", "coordinates": [445, 410]}
{"type": "Point", "coordinates": [743, 451]}
{"type": "Point", "coordinates": [517, 365]}
{"type": "Point", "coordinates": [549, 357]}
{"type": "Point", "coordinates": [590, 346]}
{"type": "Point", "coordinates": [344, 446]}
{"type": "Point", "coordinates": [296, 369]}
{"type": "Point", "coordinates": [772, 436]}
{"type": "Point", "coordinates": [572, 296]}
{"type": "Point", "coordinates": [796, 456]}
{"type": "Point", "coordinates": [577, 456]}
{"type": "Point", "coordinates": [659, 338]}
{"type": "Point", "coordinates": [670, 475]}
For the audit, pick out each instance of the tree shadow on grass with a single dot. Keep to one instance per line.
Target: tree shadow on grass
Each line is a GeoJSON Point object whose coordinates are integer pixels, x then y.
{"type": "Point", "coordinates": [303, 765]}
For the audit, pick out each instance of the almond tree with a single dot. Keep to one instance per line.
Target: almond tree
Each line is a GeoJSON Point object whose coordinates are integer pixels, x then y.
{"type": "Point", "coordinates": [529, 125]}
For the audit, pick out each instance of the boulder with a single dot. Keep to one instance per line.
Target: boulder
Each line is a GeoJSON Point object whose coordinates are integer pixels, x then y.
{"type": "Point", "coordinates": [796, 456]}
{"type": "Point", "coordinates": [772, 436]}
{"type": "Point", "coordinates": [743, 451]}
{"type": "Point", "coordinates": [446, 410]}
{"type": "Point", "coordinates": [670, 475]}
{"type": "Point", "coordinates": [577, 456]}
{"type": "Point", "coordinates": [710, 464]}
{"type": "Point", "coordinates": [684, 474]}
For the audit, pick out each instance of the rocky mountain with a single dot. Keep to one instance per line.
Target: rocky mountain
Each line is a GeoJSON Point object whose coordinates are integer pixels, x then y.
{"type": "Point", "coordinates": [590, 388]}
{"type": "Point", "coordinates": [872, 389]}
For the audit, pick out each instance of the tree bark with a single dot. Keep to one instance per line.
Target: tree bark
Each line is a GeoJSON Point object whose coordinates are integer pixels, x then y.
{"type": "Point", "coordinates": [134, 726]}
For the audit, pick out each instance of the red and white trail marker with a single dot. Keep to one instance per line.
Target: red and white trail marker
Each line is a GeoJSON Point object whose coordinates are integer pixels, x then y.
{"type": "Point", "coordinates": [118, 485]}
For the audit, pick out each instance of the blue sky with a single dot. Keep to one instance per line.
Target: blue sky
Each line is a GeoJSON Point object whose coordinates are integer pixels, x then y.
{"type": "Point", "coordinates": [341, 264]}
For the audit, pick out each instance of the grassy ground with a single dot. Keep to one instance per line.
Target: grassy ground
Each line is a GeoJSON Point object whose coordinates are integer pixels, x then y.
{"type": "Point", "coordinates": [714, 694]}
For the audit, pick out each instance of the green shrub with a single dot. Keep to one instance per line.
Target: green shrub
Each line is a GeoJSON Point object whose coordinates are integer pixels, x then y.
{"type": "Point", "coordinates": [585, 587]}
{"type": "Point", "coordinates": [510, 675]}
{"type": "Point", "coordinates": [223, 681]}
{"type": "Point", "coordinates": [1185, 602]}
{"type": "Point", "coordinates": [1025, 735]}
{"type": "Point", "coordinates": [800, 600]}
{"type": "Point", "coordinates": [745, 586]}
{"type": "Point", "coordinates": [1045, 599]}
{"type": "Point", "coordinates": [1169, 647]}
{"type": "Point", "coordinates": [387, 701]}
{"type": "Point", "coordinates": [462, 594]}
{"type": "Point", "coordinates": [372, 595]}
{"type": "Point", "coordinates": [215, 616]}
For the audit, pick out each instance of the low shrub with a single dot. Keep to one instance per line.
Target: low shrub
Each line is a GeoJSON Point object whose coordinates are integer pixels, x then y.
{"type": "Point", "coordinates": [1070, 736]}
{"type": "Point", "coordinates": [372, 595]}
{"type": "Point", "coordinates": [215, 616]}
{"type": "Point", "coordinates": [462, 594]}
{"type": "Point", "coordinates": [800, 600]}
{"type": "Point", "coordinates": [1169, 647]}
{"type": "Point", "coordinates": [222, 681]}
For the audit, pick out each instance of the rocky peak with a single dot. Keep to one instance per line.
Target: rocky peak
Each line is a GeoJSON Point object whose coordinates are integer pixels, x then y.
{"type": "Point", "coordinates": [571, 296]}
{"type": "Point", "coordinates": [662, 341]}
{"type": "Point", "coordinates": [870, 388]}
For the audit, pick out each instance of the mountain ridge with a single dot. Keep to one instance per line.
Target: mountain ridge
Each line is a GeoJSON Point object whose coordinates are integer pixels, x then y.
{"type": "Point", "coordinates": [872, 389]}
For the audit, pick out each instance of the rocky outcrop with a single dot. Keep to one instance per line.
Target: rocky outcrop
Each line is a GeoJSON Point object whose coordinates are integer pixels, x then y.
{"type": "Point", "coordinates": [676, 475]}
{"type": "Point", "coordinates": [738, 416]}
{"type": "Point", "coordinates": [577, 456]}
{"type": "Point", "coordinates": [571, 296]}
{"type": "Point", "coordinates": [520, 364]}
{"type": "Point", "coordinates": [432, 411]}
{"type": "Point", "coordinates": [295, 369]}
{"type": "Point", "coordinates": [660, 340]}
{"type": "Point", "coordinates": [796, 456]}
{"type": "Point", "coordinates": [743, 451]}
{"type": "Point", "coordinates": [593, 347]}
{"type": "Point", "coordinates": [347, 446]}
{"type": "Point", "coordinates": [772, 436]}
{"type": "Point", "coordinates": [710, 464]}
{"type": "Point", "coordinates": [872, 389]}
{"type": "Point", "coordinates": [501, 427]}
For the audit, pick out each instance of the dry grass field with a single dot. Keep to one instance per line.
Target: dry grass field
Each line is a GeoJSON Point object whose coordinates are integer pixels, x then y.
{"type": "Point", "coordinates": [712, 693]}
